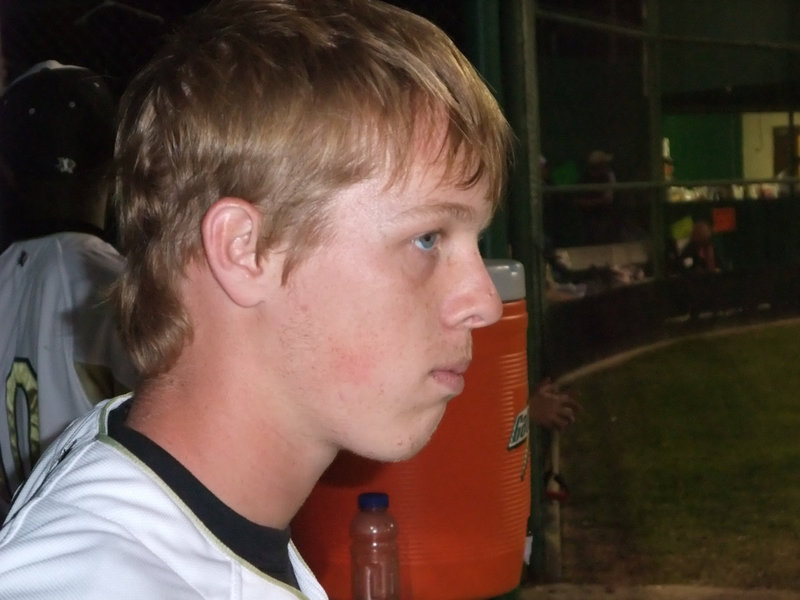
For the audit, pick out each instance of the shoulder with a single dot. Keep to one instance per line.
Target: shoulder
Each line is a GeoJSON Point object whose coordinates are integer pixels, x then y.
{"type": "Point", "coordinates": [85, 265]}
{"type": "Point", "coordinates": [77, 255]}
{"type": "Point", "coordinates": [85, 517]}
{"type": "Point", "coordinates": [89, 254]}
{"type": "Point", "coordinates": [102, 525]}
{"type": "Point", "coordinates": [59, 461]}
{"type": "Point", "coordinates": [86, 564]}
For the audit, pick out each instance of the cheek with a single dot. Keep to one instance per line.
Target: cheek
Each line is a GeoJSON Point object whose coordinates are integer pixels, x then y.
{"type": "Point", "coordinates": [368, 347]}
{"type": "Point", "coordinates": [354, 366]}
{"type": "Point", "coordinates": [355, 348]}
{"type": "Point", "coordinates": [366, 325]}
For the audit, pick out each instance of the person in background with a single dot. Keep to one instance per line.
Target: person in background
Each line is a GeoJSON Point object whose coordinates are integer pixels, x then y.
{"type": "Point", "coordinates": [600, 220]}
{"type": "Point", "coordinates": [302, 187]}
{"type": "Point", "coordinates": [553, 407]}
{"type": "Point", "coordinates": [5, 231]}
{"type": "Point", "coordinates": [669, 168]}
{"type": "Point", "coordinates": [599, 169]}
{"type": "Point", "coordinates": [786, 190]}
{"type": "Point", "coordinates": [544, 171]}
{"type": "Point", "coordinates": [674, 193]}
{"type": "Point", "coordinates": [59, 350]}
{"type": "Point", "coordinates": [699, 255]}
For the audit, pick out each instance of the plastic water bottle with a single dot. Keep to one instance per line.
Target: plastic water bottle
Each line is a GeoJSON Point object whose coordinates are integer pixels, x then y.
{"type": "Point", "coordinates": [375, 568]}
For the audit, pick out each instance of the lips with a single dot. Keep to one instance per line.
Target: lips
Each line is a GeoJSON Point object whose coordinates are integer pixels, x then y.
{"type": "Point", "coordinates": [451, 376]}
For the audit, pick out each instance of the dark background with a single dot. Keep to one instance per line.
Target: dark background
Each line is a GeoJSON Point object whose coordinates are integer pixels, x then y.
{"type": "Point", "coordinates": [115, 39]}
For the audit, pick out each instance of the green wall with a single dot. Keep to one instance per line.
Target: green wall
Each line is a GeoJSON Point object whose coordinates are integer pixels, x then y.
{"type": "Point", "coordinates": [706, 146]}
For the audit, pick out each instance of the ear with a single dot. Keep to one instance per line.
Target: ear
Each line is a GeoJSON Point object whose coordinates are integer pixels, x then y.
{"type": "Point", "coordinates": [230, 230]}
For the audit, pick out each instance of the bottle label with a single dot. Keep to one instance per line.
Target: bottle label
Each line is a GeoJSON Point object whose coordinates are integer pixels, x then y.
{"type": "Point", "coordinates": [375, 577]}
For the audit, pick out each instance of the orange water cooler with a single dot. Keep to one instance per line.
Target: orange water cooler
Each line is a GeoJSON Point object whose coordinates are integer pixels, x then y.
{"type": "Point", "coordinates": [462, 503]}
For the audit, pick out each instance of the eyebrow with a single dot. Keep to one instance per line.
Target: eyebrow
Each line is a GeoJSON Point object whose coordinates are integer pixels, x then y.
{"type": "Point", "coordinates": [460, 212]}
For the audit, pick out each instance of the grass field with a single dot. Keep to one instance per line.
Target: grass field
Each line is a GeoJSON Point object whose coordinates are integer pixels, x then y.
{"type": "Point", "coordinates": [684, 466]}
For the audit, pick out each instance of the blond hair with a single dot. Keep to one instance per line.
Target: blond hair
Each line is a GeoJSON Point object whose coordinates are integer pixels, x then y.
{"type": "Point", "coordinates": [281, 103]}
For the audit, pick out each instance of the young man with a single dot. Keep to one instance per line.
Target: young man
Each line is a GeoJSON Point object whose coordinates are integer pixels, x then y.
{"type": "Point", "coordinates": [59, 350]}
{"type": "Point", "coordinates": [302, 188]}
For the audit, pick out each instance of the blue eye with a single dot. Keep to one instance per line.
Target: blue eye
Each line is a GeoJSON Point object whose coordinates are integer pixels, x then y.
{"type": "Point", "coordinates": [426, 241]}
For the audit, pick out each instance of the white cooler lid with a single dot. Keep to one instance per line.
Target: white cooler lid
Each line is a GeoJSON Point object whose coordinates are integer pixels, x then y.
{"type": "Point", "coordinates": [508, 277]}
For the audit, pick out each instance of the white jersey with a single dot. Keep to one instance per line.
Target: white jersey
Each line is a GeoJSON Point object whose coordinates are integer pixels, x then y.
{"type": "Point", "coordinates": [59, 350]}
{"type": "Point", "coordinates": [95, 521]}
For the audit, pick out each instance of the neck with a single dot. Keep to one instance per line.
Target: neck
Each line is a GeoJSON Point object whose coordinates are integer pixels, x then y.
{"type": "Point", "coordinates": [229, 417]}
{"type": "Point", "coordinates": [236, 441]}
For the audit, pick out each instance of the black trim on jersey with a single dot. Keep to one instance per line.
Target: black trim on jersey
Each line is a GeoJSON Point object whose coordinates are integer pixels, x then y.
{"type": "Point", "coordinates": [264, 547]}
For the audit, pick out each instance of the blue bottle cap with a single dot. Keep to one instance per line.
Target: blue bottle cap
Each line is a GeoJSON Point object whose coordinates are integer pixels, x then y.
{"type": "Point", "coordinates": [373, 501]}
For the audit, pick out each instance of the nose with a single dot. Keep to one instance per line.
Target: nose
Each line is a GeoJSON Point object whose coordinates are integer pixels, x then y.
{"type": "Point", "coordinates": [473, 301]}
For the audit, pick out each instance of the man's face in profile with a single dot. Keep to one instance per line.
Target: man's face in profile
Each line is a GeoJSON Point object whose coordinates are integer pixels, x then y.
{"type": "Point", "coordinates": [379, 320]}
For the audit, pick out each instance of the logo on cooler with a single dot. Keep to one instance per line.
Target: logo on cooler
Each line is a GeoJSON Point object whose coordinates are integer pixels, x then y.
{"type": "Point", "coordinates": [519, 432]}
{"type": "Point", "coordinates": [520, 435]}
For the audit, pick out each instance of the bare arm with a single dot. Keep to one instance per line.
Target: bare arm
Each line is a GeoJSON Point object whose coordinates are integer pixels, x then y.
{"type": "Point", "coordinates": [553, 408]}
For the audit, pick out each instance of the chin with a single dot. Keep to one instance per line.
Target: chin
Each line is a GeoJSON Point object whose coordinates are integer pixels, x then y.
{"type": "Point", "coordinates": [411, 451]}
{"type": "Point", "coordinates": [416, 442]}
{"type": "Point", "coordinates": [400, 438]}
{"type": "Point", "coordinates": [393, 450]}
{"type": "Point", "coordinates": [399, 456]}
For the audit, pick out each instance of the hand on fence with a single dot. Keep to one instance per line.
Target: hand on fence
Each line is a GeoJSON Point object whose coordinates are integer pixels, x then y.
{"type": "Point", "coordinates": [552, 407]}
